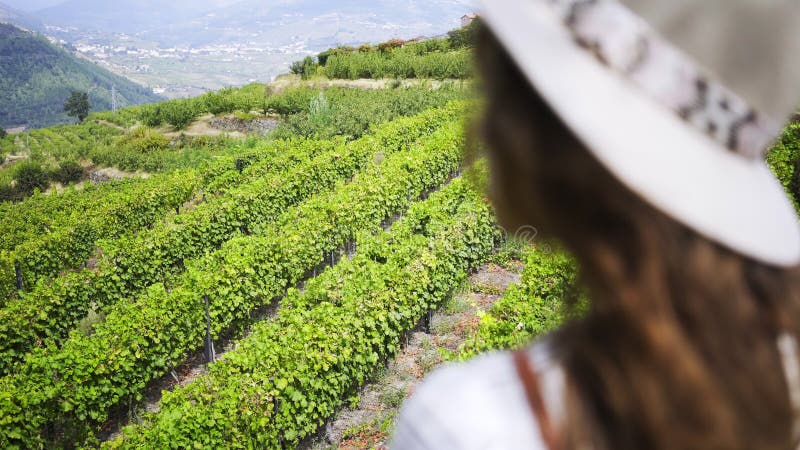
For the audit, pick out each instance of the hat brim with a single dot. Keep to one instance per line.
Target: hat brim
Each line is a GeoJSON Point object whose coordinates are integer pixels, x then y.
{"type": "Point", "coordinates": [727, 198]}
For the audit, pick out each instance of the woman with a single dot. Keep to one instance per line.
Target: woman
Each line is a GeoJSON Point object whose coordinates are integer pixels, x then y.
{"type": "Point", "coordinates": [606, 133]}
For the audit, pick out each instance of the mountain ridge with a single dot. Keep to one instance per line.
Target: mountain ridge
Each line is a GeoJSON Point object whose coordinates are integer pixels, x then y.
{"type": "Point", "coordinates": [203, 22]}
{"type": "Point", "coordinates": [36, 77]}
{"type": "Point", "coordinates": [12, 15]}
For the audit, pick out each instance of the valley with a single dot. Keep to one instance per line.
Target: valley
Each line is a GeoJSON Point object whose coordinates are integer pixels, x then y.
{"type": "Point", "coordinates": [187, 48]}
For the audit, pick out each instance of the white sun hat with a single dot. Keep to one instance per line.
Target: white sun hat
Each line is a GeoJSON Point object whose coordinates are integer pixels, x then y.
{"type": "Point", "coordinates": [679, 99]}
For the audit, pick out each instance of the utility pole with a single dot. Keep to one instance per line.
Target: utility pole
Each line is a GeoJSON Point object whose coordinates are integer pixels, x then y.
{"type": "Point", "coordinates": [114, 98]}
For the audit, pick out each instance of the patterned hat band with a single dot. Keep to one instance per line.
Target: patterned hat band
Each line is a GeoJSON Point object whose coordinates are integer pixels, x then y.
{"type": "Point", "coordinates": [626, 44]}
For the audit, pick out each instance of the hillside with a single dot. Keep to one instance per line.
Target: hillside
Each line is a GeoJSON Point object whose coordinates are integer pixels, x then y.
{"type": "Point", "coordinates": [36, 78]}
{"type": "Point", "coordinates": [9, 14]}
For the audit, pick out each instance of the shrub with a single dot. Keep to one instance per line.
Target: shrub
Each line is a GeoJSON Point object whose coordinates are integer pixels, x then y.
{"type": "Point", "coordinates": [31, 176]}
{"type": "Point", "coordinates": [411, 61]}
{"type": "Point", "coordinates": [220, 102]}
{"type": "Point", "coordinates": [3, 133]}
{"type": "Point", "coordinates": [297, 67]}
{"type": "Point", "coordinates": [319, 105]}
{"type": "Point", "coordinates": [150, 115]}
{"type": "Point", "coordinates": [309, 67]}
{"type": "Point", "coordinates": [245, 116]}
{"type": "Point", "coordinates": [349, 112]}
{"type": "Point", "coordinates": [305, 68]}
{"type": "Point", "coordinates": [430, 46]}
{"type": "Point", "coordinates": [68, 172]}
{"type": "Point", "coordinates": [179, 113]}
{"type": "Point", "coordinates": [323, 57]}
{"type": "Point", "coordinates": [784, 160]}
{"type": "Point", "coordinates": [144, 140]}
{"type": "Point", "coordinates": [7, 193]}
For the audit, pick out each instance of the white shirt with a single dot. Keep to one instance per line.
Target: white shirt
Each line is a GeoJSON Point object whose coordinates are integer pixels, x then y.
{"type": "Point", "coordinates": [480, 405]}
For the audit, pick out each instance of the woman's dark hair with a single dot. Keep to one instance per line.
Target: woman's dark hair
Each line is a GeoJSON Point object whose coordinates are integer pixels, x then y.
{"type": "Point", "coordinates": [678, 350]}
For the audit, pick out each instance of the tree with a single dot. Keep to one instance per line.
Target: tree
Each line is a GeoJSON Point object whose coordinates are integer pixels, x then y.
{"type": "Point", "coordinates": [68, 172]}
{"type": "Point", "coordinates": [179, 113]}
{"type": "Point", "coordinates": [465, 36]}
{"type": "Point", "coordinates": [30, 176]}
{"type": "Point", "coordinates": [2, 133]}
{"type": "Point", "coordinates": [77, 105]}
{"type": "Point", "coordinates": [297, 67]}
{"type": "Point", "coordinates": [305, 68]}
{"type": "Point", "coordinates": [266, 99]}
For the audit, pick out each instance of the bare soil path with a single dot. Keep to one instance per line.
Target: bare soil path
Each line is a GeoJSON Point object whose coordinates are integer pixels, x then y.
{"type": "Point", "coordinates": [284, 82]}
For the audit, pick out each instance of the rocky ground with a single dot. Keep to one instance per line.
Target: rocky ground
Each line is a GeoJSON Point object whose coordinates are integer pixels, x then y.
{"type": "Point", "coordinates": [260, 126]}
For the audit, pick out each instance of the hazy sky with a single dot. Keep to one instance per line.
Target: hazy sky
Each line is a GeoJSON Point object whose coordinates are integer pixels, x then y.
{"type": "Point", "coordinates": [30, 5]}
{"type": "Point", "coordinates": [195, 22]}
{"type": "Point", "coordinates": [35, 5]}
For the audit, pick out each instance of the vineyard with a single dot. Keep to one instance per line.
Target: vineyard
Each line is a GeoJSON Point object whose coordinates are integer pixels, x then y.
{"type": "Point", "coordinates": [150, 139]}
{"type": "Point", "coordinates": [352, 213]}
{"type": "Point", "coordinates": [438, 58]}
{"type": "Point", "coordinates": [282, 271]}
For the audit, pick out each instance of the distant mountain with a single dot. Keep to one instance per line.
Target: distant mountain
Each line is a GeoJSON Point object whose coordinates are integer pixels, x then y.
{"type": "Point", "coordinates": [36, 77]}
{"type": "Point", "coordinates": [9, 14]}
{"type": "Point", "coordinates": [127, 16]}
{"type": "Point", "coordinates": [322, 23]}
{"type": "Point", "coordinates": [30, 6]}
{"type": "Point", "coordinates": [208, 22]}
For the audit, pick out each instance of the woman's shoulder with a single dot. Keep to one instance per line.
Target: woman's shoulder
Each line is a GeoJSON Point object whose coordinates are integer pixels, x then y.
{"type": "Point", "coordinates": [480, 404]}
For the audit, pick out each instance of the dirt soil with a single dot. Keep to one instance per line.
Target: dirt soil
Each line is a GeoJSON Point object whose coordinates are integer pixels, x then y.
{"type": "Point", "coordinates": [10, 160]}
{"type": "Point", "coordinates": [105, 174]}
{"type": "Point", "coordinates": [375, 84]}
{"type": "Point", "coordinates": [284, 82]}
{"type": "Point", "coordinates": [112, 125]}
{"type": "Point", "coordinates": [199, 127]}
{"type": "Point", "coordinates": [369, 423]}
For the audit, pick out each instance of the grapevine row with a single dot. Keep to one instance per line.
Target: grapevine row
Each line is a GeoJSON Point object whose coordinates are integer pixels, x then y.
{"type": "Point", "coordinates": [281, 383]}
{"type": "Point", "coordinates": [23, 222]}
{"type": "Point", "coordinates": [73, 223]}
{"type": "Point", "coordinates": [65, 141]}
{"type": "Point", "coordinates": [226, 173]}
{"type": "Point", "coordinates": [133, 263]}
{"type": "Point", "coordinates": [42, 214]}
{"type": "Point", "coordinates": [534, 306]}
{"type": "Point", "coordinates": [76, 385]}
{"type": "Point", "coordinates": [69, 244]}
